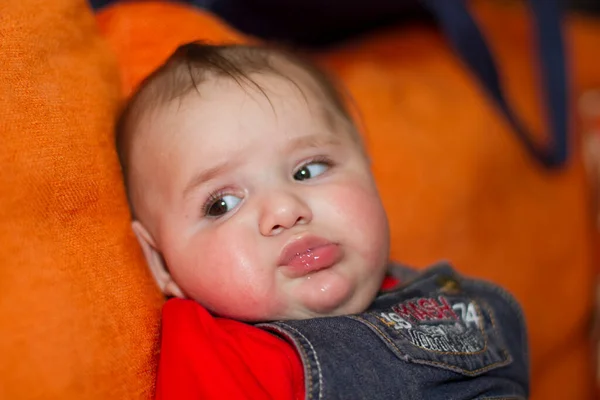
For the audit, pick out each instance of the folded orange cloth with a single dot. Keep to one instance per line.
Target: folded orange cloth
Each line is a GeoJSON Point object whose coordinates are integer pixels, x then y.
{"type": "Point", "coordinates": [79, 313]}
{"type": "Point", "coordinates": [455, 181]}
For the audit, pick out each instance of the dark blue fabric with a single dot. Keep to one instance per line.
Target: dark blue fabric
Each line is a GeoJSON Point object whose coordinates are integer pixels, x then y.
{"type": "Point", "coordinates": [323, 22]}
{"type": "Point", "coordinates": [439, 336]}
{"type": "Point", "coordinates": [314, 23]}
{"type": "Point", "coordinates": [463, 34]}
{"type": "Point", "coordinates": [98, 4]}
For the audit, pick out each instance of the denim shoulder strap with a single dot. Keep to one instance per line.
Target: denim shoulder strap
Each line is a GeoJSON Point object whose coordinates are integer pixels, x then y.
{"type": "Point", "coordinates": [464, 35]}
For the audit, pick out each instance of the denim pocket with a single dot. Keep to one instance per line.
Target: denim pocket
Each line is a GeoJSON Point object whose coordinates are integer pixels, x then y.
{"type": "Point", "coordinates": [455, 332]}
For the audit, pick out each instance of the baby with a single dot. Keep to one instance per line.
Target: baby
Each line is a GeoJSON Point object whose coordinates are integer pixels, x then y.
{"type": "Point", "coordinates": [252, 196]}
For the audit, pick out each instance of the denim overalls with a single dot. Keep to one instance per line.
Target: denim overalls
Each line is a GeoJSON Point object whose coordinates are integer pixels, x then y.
{"type": "Point", "coordinates": [439, 336]}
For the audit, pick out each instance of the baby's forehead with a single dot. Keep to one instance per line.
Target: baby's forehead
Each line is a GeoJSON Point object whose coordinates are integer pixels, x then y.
{"type": "Point", "coordinates": [291, 88]}
{"type": "Point", "coordinates": [284, 82]}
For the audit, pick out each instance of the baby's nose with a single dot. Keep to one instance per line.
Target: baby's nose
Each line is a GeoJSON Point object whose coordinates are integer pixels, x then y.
{"type": "Point", "coordinates": [283, 210]}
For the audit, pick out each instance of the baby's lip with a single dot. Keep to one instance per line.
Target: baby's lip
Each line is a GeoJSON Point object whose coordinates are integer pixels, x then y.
{"type": "Point", "coordinates": [307, 254]}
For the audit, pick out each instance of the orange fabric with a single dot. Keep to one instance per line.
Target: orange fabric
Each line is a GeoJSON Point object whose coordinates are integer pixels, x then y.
{"type": "Point", "coordinates": [142, 39]}
{"type": "Point", "coordinates": [456, 183]}
{"type": "Point", "coordinates": [78, 311]}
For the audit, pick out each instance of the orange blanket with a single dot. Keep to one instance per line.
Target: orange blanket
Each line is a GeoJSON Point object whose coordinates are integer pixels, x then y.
{"type": "Point", "coordinates": [79, 312]}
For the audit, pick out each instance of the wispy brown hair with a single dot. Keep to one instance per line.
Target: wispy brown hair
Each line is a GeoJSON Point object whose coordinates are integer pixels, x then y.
{"type": "Point", "coordinates": [193, 63]}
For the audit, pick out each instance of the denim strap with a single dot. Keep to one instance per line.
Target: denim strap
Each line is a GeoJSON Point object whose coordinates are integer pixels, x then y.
{"type": "Point", "coordinates": [466, 38]}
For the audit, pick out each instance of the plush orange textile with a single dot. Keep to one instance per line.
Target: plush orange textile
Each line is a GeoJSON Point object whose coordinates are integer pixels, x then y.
{"type": "Point", "coordinates": [455, 181]}
{"type": "Point", "coordinates": [457, 185]}
{"type": "Point", "coordinates": [78, 311]}
{"type": "Point", "coordinates": [143, 39]}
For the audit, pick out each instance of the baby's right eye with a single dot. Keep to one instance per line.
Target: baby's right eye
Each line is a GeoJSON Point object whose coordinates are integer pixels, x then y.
{"type": "Point", "coordinates": [219, 205]}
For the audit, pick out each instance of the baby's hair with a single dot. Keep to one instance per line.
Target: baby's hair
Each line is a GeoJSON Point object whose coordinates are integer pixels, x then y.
{"type": "Point", "coordinates": [193, 63]}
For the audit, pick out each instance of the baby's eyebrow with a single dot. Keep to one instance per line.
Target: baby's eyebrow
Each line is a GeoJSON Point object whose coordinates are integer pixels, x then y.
{"type": "Point", "coordinates": [316, 140]}
{"type": "Point", "coordinates": [206, 175]}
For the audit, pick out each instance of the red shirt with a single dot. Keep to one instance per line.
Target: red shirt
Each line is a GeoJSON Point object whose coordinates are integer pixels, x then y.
{"type": "Point", "coordinates": [204, 357]}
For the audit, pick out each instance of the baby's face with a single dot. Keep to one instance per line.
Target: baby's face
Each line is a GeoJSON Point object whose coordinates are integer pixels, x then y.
{"type": "Point", "coordinates": [262, 208]}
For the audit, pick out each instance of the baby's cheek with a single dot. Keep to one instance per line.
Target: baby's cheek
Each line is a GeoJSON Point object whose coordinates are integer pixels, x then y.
{"type": "Point", "coordinates": [196, 268]}
{"type": "Point", "coordinates": [231, 279]}
{"type": "Point", "coordinates": [360, 212]}
{"type": "Point", "coordinates": [359, 204]}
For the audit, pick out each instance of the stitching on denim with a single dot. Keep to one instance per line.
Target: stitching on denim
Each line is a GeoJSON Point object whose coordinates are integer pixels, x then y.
{"type": "Point", "coordinates": [297, 332]}
{"type": "Point", "coordinates": [507, 355]}
{"type": "Point", "coordinates": [485, 338]}
{"type": "Point", "coordinates": [507, 296]}
{"type": "Point", "coordinates": [441, 364]}
{"type": "Point", "coordinates": [304, 355]}
{"type": "Point", "coordinates": [516, 307]}
{"type": "Point", "coordinates": [502, 398]}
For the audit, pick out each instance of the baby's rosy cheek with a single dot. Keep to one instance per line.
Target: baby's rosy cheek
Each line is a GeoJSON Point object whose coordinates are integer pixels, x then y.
{"type": "Point", "coordinates": [362, 210]}
{"type": "Point", "coordinates": [360, 204]}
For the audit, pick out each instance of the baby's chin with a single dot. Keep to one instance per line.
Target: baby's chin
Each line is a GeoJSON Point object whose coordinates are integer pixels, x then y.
{"type": "Point", "coordinates": [329, 305]}
{"type": "Point", "coordinates": [326, 294]}
{"type": "Point", "coordinates": [309, 308]}
{"type": "Point", "coordinates": [320, 311]}
{"type": "Point", "coordinates": [329, 308]}
{"type": "Point", "coordinates": [331, 293]}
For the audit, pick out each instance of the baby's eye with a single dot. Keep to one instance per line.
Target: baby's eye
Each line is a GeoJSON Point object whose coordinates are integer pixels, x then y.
{"type": "Point", "coordinates": [311, 170]}
{"type": "Point", "coordinates": [221, 205]}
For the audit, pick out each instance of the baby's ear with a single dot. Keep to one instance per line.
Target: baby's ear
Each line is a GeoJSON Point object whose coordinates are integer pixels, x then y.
{"type": "Point", "coordinates": [156, 262]}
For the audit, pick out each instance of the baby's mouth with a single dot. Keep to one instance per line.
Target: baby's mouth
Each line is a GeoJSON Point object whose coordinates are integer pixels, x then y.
{"type": "Point", "coordinates": [307, 255]}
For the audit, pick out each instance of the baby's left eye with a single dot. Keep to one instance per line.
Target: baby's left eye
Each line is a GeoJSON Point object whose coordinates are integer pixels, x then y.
{"type": "Point", "coordinates": [311, 170]}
